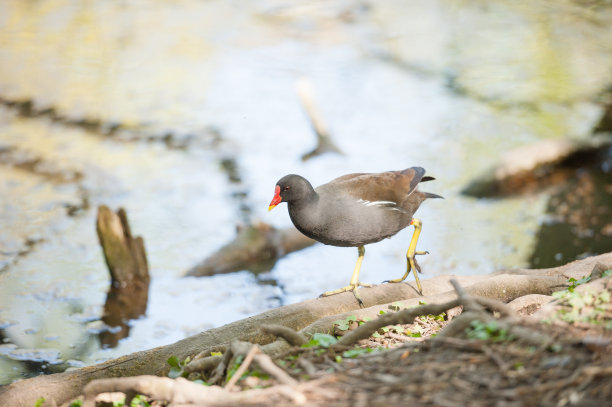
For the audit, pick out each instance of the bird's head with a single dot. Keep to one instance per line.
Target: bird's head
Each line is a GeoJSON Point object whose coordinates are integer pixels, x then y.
{"type": "Point", "coordinates": [290, 188]}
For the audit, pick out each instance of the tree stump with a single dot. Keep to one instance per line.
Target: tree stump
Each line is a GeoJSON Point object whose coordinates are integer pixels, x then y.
{"type": "Point", "coordinates": [127, 263]}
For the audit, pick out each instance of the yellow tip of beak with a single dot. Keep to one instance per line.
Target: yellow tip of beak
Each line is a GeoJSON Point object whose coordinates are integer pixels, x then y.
{"type": "Point", "coordinates": [271, 207]}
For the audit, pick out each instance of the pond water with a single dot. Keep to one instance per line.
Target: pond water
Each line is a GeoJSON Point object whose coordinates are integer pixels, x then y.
{"type": "Point", "coordinates": [138, 104]}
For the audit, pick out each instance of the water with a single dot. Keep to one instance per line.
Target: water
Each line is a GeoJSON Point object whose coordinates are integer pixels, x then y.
{"type": "Point", "coordinates": [146, 100]}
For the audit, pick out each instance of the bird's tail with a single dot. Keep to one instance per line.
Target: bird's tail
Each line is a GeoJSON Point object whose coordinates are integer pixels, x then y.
{"type": "Point", "coordinates": [430, 195]}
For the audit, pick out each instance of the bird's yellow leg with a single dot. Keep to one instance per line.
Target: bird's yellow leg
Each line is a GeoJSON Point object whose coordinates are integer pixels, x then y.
{"type": "Point", "coordinates": [411, 261]}
{"type": "Point", "coordinates": [354, 284]}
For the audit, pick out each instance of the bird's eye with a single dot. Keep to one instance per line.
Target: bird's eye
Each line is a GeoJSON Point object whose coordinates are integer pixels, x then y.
{"type": "Point", "coordinates": [287, 188]}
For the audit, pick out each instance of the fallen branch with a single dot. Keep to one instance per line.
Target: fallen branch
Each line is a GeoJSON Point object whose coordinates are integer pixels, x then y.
{"type": "Point", "coordinates": [255, 247]}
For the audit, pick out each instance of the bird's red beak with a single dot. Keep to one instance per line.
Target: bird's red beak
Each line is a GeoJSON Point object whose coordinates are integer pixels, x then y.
{"type": "Point", "coordinates": [276, 200]}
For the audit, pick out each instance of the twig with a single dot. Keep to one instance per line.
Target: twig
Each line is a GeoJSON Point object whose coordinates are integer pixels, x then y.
{"type": "Point", "coordinates": [219, 371]}
{"type": "Point", "coordinates": [496, 359]}
{"type": "Point", "coordinates": [495, 305]}
{"type": "Point", "coordinates": [460, 323]}
{"type": "Point", "coordinates": [307, 365]}
{"type": "Point", "coordinates": [243, 367]}
{"type": "Point", "coordinates": [203, 364]}
{"type": "Point", "coordinates": [206, 353]}
{"type": "Point", "coordinates": [267, 364]}
{"type": "Point", "coordinates": [292, 337]}
{"type": "Point", "coordinates": [458, 343]}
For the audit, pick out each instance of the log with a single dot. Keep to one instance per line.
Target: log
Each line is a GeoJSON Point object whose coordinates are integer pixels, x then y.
{"type": "Point", "coordinates": [256, 248]}
{"type": "Point", "coordinates": [63, 387]}
{"type": "Point", "coordinates": [535, 167]}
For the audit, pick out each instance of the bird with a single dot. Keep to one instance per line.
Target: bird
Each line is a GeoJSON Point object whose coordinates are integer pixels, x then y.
{"type": "Point", "coordinates": [355, 210]}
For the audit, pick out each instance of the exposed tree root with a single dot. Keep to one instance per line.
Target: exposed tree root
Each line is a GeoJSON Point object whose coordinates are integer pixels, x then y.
{"type": "Point", "coordinates": [317, 315]}
{"type": "Point", "coordinates": [475, 309]}
{"type": "Point", "coordinates": [292, 337]}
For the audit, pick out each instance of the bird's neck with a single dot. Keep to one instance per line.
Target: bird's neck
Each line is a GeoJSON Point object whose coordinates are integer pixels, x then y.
{"type": "Point", "coordinates": [303, 208]}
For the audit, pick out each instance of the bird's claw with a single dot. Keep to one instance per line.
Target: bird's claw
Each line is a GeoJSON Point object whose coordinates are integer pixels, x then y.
{"type": "Point", "coordinates": [352, 287]}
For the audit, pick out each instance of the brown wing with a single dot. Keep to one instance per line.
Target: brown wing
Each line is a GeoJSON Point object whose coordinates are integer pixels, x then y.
{"type": "Point", "coordinates": [385, 186]}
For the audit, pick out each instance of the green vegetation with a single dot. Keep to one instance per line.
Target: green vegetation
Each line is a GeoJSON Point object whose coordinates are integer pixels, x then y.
{"type": "Point", "coordinates": [585, 307]}
{"type": "Point", "coordinates": [489, 331]}
{"type": "Point", "coordinates": [344, 324]}
{"type": "Point", "coordinates": [177, 367]}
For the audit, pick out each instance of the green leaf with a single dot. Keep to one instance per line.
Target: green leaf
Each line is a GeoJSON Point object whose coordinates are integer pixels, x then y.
{"type": "Point", "coordinates": [139, 401]}
{"type": "Point", "coordinates": [604, 296]}
{"type": "Point", "coordinates": [395, 306]}
{"type": "Point", "coordinates": [173, 361]}
{"type": "Point", "coordinates": [338, 359]}
{"type": "Point", "coordinates": [353, 353]}
{"type": "Point", "coordinates": [216, 353]}
{"type": "Point", "coordinates": [607, 273]}
{"type": "Point", "coordinates": [39, 402]}
{"type": "Point", "coordinates": [76, 403]}
{"type": "Point", "coordinates": [344, 324]}
{"type": "Point", "coordinates": [324, 340]}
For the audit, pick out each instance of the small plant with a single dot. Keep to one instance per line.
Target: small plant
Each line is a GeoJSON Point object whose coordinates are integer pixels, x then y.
{"type": "Point", "coordinates": [234, 367]}
{"type": "Point", "coordinates": [396, 306]}
{"type": "Point", "coordinates": [344, 324]}
{"type": "Point", "coordinates": [489, 331]}
{"type": "Point", "coordinates": [353, 353]}
{"type": "Point", "coordinates": [584, 307]}
{"type": "Point", "coordinates": [139, 401]}
{"type": "Point", "coordinates": [177, 368]}
{"type": "Point", "coordinates": [573, 283]}
{"type": "Point", "coordinates": [320, 340]}
{"type": "Point", "coordinates": [39, 402]}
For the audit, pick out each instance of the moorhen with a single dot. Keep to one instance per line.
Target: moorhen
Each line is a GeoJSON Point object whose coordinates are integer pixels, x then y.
{"type": "Point", "coordinates": [357, 209]}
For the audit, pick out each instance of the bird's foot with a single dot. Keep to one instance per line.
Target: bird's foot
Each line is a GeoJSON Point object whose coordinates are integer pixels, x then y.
{"type": "Point", "coordinates": [351, 287]}
{"type": "Point", "coordinates": [412, 265]}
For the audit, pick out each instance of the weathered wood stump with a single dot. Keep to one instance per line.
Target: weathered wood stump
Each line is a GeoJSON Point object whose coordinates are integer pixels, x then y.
{"type": "Point", "coordinates": [126, 259]}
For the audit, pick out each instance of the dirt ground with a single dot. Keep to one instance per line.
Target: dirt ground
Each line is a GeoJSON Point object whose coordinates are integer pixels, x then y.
{"type": "Point", "coordinates": [576, 370]}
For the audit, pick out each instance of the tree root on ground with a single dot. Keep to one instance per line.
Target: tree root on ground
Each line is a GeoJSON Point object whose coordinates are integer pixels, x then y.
{"type": "Point", "coordinates": [474, 309]}
{"type": "Point", "coordinates": [309, 317]}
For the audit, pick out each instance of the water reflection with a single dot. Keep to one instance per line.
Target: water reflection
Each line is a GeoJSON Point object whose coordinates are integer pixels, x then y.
{"type": "Point", "coordinates": [154, 103]}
